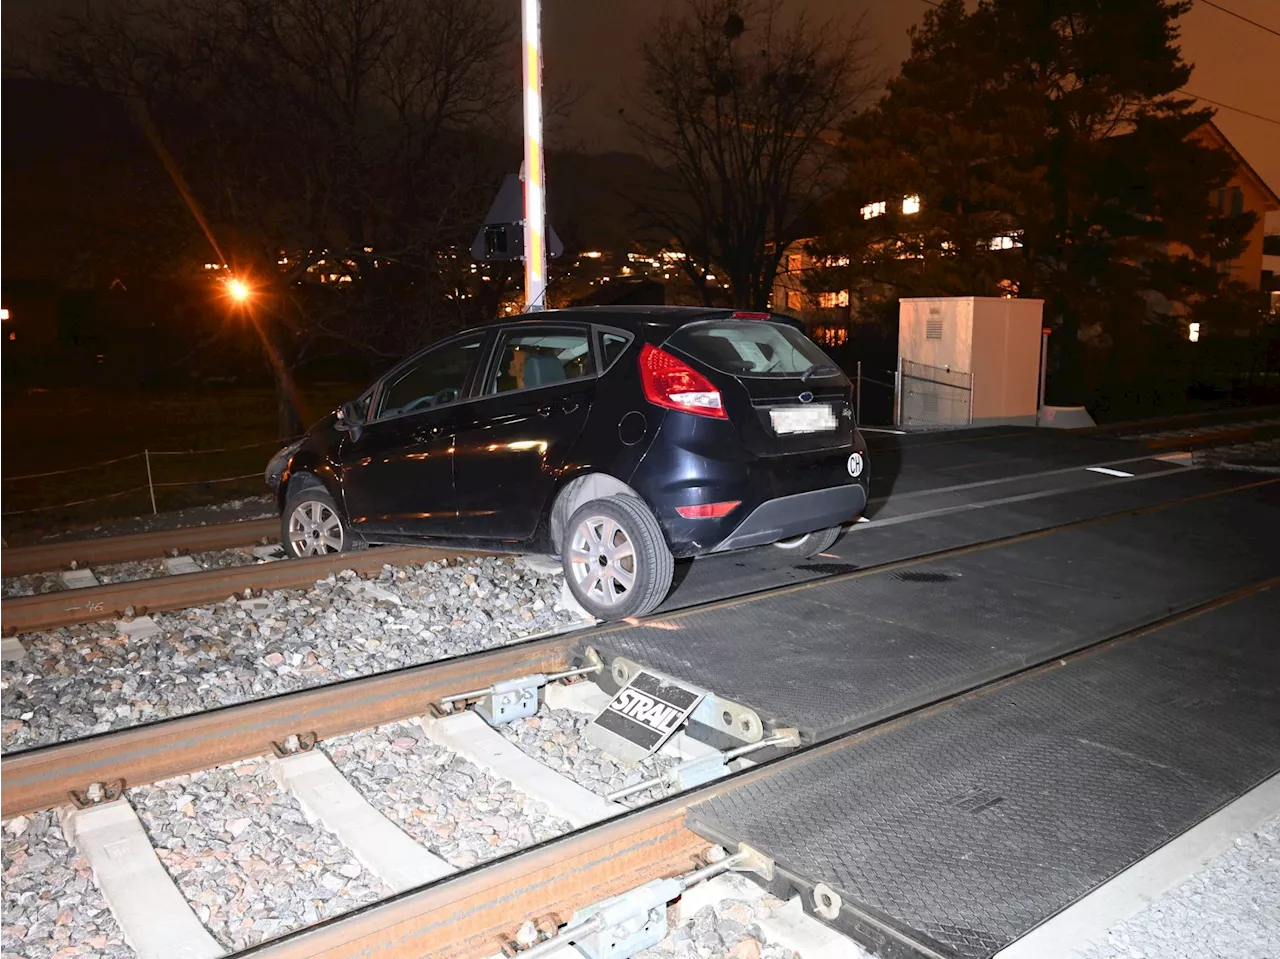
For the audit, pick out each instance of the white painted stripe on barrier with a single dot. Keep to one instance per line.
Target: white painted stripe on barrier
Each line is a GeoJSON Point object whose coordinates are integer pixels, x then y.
{"type": "Point", "coordinates": [1071, 932]}
{"type": "Point", "coordinates": [473, 739]}
{"type": "Point", "coordinates": [152, 913]}
{"type": "Point", "coordinates": [381, 846]}
{"type": "Point", "coordinates": [1107, 471]}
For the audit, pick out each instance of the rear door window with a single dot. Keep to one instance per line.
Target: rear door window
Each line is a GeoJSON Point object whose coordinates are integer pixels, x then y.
{"type": "Point", "coordinates": [749, 348]}
{"type": "Point", "coordinates": [530, 358]}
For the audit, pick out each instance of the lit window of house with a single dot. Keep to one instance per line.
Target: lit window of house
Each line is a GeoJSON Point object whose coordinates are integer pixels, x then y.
{"type": "Point", "coordinates": [794, 262]}
{"type": "Point", "coordinates": [1006, 241]}
{"type": "Point", "coordinates": [795, 300]}
{"type": "Point", "coordinates": [911, 204]}
{"type": "Point", "coordinates": [874, 210]}
{"type": "Point", "coordinates": [829, 335]}
{"type": "Point", "coordinates": [835, 261]}
{"type": "Point", "coordinates": [829, 301]}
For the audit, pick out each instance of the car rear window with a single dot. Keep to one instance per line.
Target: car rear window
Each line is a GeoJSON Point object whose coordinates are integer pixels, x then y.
{"type": "Point", "coordinates": [749, 347]}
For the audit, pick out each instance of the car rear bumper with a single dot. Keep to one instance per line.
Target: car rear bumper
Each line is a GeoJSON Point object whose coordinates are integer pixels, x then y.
{"type": "Point", "coordinates": [796, 515]}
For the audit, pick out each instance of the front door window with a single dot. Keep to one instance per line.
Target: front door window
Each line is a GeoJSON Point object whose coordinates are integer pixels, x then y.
{"type": "Point", "coordinates": [436, 378]}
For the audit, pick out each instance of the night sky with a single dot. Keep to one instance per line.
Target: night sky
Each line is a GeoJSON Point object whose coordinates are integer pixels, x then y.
{"type": "Point", "coordinates": [592, 43]}
{"type": "Point", "coordinates": [592, 46]}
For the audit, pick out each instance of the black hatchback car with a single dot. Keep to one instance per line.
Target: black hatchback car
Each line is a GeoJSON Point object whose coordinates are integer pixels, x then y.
{"type": "Point", "coordinates": [616, 438]}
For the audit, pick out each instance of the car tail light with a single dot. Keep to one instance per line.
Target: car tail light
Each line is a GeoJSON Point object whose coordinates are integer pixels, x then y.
{"type": "Point", "coordinates": [674, 384]}
{"type": "Point", "coordinates": [744, 315]}
{"type": "Point", "coordinates": [708, 510]}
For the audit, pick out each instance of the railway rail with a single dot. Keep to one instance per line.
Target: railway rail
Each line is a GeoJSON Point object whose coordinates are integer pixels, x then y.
{"type": "Point", "coordinates": [24, 614]}
{"type": "Point", "coordinates": [22, 560]}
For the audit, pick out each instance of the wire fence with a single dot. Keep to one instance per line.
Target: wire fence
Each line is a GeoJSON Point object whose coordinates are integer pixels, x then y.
{"type": "Point", "coordinates": [935, 395]}
{"type": "Point", "coordinates": [143, 459]}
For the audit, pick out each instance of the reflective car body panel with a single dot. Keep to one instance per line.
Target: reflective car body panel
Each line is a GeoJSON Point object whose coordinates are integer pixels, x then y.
{"type": "Point", "coordinates": [482, 459]}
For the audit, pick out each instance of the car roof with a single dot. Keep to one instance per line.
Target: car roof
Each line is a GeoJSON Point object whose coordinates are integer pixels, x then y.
{"type": "Point", "coordinates": [652, 320]}
{"type": "Point", "coordinates": [627, 317]}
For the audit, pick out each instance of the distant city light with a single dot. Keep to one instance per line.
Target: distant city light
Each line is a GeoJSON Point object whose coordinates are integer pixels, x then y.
{"type": "Point", "coordinates": [911, 204]}
{"type": "Point", "coordinates": [1193, 332]}
{"type": "Point", "coordinates": [238, 290]}
{"type": "Point", "coordinates": [593, 254]}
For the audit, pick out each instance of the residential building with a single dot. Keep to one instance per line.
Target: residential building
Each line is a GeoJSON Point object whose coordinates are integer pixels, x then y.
{"type": "Point", "coordinates": [1246, 192]}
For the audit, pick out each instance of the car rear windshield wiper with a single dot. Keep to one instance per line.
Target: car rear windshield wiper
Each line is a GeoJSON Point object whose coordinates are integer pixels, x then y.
{"type": "Point", "coordinates": [825, 369]}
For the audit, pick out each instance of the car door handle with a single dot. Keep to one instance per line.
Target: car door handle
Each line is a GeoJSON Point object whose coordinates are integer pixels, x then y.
{"type": "Point", "coordinates": [557, 408]}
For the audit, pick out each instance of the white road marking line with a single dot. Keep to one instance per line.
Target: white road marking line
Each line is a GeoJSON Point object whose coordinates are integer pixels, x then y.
{"type": "Point", "coordinates": [872, 429]}
{"type": "Point", "coordinates": [472, 738]}
{"type": "Point", "coordinates": [153, 914]}
{"type": "Point", "coordinates": [1085, 922]}
{"type": "Point", "coordinates": [381, 846]}
{"type": "Point", "coordinates": [1013, 478]}
{"type": "Point", "coordinates": [1021, 498]}
{"type": "Point", "coordinates": [1107, 471]}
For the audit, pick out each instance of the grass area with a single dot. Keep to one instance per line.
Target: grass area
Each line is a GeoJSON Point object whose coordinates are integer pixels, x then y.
{"type": "Point", "coordinates": [48, 430]}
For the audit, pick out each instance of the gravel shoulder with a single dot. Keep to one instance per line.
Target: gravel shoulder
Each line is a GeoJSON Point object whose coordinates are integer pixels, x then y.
{"type": "Point", "coordinates": [1230, 909]}
{"type": "Point", "coordinates": [230, 511]}
{"type": "Point", "coordinates": [1260, 455]}
{"type": "Point", "coordinates": [92, 678]}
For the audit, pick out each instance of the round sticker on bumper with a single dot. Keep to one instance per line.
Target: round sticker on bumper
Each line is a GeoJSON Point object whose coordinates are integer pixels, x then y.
{"type": "Point", "coordinates": [855, 464]}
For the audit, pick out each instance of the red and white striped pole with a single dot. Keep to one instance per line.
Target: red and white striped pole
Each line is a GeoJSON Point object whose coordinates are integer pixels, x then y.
{"type": "Point", "coordinates": [535, 207]}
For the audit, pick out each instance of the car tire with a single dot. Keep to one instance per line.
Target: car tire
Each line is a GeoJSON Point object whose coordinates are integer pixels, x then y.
{"type": "Point", "coordinates": [810, 544]}
{"type": "Point", "coordinates": [615, 558]}
{"type": "Point", "coordinates": [311, 523]}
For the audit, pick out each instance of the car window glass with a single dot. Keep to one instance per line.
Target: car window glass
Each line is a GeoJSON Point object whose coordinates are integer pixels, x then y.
{"type": "Point", "coordinates": [749, 347]}
{"type": "Point", "coordinates": [612, 346]}
{"type": "Point", "coordinates": [540, 358]}
{"type": "Point", "coordinates": [434, 379]}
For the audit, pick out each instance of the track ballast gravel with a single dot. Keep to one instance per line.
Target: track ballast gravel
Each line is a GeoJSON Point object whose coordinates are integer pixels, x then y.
{"type": "Point", "coordinates": [93, 678]}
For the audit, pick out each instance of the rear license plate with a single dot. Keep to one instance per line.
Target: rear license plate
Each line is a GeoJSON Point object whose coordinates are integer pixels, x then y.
{"type": "Point", "coordinates": [802, 419]}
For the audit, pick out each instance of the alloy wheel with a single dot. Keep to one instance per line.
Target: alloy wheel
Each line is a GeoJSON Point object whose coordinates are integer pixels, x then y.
{"type": "Point", "coordinates": [314, 529]}
{"type": "Point", "coordinates": [603, 560]}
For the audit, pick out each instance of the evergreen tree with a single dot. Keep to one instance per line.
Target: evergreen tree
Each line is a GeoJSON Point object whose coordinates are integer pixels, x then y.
{"type": "Point", "coordinates": [1059, 125]}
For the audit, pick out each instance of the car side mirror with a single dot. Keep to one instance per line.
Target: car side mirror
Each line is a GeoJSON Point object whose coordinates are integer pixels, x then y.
{"type": "Point", "coordinates": [350, 416]}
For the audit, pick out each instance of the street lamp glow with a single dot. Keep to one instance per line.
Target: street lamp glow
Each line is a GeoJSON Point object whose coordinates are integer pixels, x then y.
{"type": "Point", "coordinates": [237, 290]}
